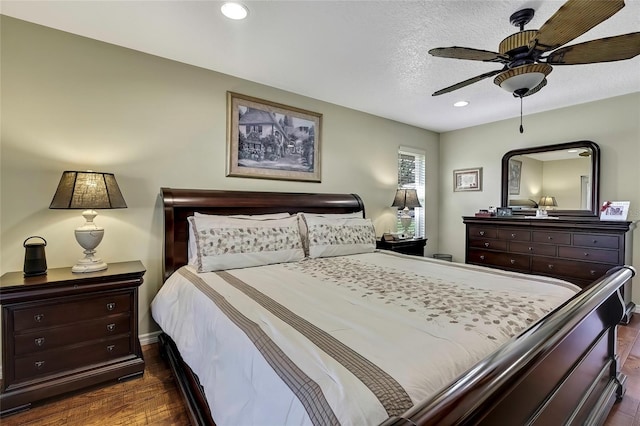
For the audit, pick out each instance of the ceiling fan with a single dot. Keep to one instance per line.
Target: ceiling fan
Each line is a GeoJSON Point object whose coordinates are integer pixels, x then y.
{"type": "Point", "coordinates": [528, 55]}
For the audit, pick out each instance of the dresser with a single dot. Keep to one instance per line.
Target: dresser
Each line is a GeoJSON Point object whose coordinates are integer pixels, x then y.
{"type": "Point", "coordinates": [65, 331]}
{"type": "Point", "coordinates": [578, 250]}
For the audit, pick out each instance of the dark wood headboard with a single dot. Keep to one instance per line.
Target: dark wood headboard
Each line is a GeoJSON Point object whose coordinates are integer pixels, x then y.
{"type": "Point", "coordinates": [179, 204]}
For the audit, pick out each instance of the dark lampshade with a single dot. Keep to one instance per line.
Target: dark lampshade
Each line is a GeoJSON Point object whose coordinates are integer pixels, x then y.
{"type": "Point", "coordinates": [88, 190]}
{"type": "Point", "coordinates": [406, 198]}
{"type": "Point", "coordinates": [547, 201]}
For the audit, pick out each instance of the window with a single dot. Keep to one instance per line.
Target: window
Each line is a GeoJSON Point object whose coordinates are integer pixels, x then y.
{"type": "Point", "coordinates": [411, 175]}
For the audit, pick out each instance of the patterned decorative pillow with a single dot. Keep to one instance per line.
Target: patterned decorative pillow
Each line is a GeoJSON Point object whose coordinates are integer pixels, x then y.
{"type": "Point", "coordinates": [337, 237]}
{"type": "Point", "coordinates": [304, 233]}
{"type": "Point", "coordinates": [192, 249]}
{"type": "Point", "coordinates": [228, 243]}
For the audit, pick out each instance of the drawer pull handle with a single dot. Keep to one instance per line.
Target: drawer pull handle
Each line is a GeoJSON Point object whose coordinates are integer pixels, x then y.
{"type": "Point", "coordinates": [486, 244]}
{"type": "Point", "coordinates": [530, 248]}
{"type": "Point", "coordinates": [39, 365]}
{"type": "Point", "coordinates": [38, 317]}
{"type": "Point", "coordinates": [111, 306]}
{"type": "Point", "coordinates": [595, 241]}
{"type": "Point", "coordinates": [111, 327]}
{"type": "Point", "coordinates": [550, 266]}
{"type": "Point", "coordinates": [513, 261]}
{"type": "Point", "coordinates": [39, 341]}
{"type": "Point", "coordinates": [592, 272]}
{"type": "Point", "coordinates": [110, 348]}
{"type": "Point", "coordinates": [586, 254]}
{"type": "Point", "coordinates": [482, 233]}
{"type": "Point", "coordinates": [513, 235]}
{"type": "Point", "coordinates": [482, 257]}
{"type": "Point", "coordinates": [550, 238]}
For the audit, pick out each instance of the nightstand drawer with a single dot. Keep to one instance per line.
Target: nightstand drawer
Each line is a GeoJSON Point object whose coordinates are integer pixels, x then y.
{"type": "Point", "coordinates": [51, 362]}
{"type": "Point", "coordinates": [46, 339]}
{"type": "Point", "coordinates": [48, 315]}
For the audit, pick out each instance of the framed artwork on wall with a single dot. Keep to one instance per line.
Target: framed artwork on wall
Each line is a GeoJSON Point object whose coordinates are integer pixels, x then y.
{"type": "Point", "coordinates": [515, 174]}
{"type": "Point", "coordinates": [269, 140]}
{"type": "Point", "coordinates": [467, 179]}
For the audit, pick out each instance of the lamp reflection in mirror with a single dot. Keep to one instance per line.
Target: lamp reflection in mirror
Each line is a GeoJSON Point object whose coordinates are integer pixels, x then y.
{"type": "Point", "coordinates": [88, 191]}
{"type": "Point", "coordinates": [547, 201]}
{"type": "Point", "coordinates": [406, 199]}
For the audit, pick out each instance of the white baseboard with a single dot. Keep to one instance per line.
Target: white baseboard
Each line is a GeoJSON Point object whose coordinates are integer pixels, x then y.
{"type": "Point", "coordinates": [149, 338]}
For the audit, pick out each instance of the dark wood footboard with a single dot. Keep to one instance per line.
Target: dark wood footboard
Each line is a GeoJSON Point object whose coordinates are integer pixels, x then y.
{"type": "Point", "coordinates": [562, 370]}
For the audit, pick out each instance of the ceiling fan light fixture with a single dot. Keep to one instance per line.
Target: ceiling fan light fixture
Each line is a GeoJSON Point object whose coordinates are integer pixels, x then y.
{"type": "Point", "coordinates": [461, 104]}
{"type": "Point", "coordinates": [520, 80]}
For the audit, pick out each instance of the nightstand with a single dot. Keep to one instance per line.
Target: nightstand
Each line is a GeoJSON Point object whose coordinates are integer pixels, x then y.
{"type": "Point", "coordinates": [65, 331]}
{"type": "Point", "coordinates": [413, 246]}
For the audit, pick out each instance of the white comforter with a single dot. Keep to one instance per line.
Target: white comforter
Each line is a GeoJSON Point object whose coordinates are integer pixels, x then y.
{"type": "Point", "coordinates": [279, 356]}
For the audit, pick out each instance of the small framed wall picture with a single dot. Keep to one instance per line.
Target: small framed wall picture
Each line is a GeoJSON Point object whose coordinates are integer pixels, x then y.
{"type": "Point", "coordinates": [504, 211]}
{"type": "Point", "coordinates": [614, 210]}
{"type": "Point", "coordinates": [467, 179]}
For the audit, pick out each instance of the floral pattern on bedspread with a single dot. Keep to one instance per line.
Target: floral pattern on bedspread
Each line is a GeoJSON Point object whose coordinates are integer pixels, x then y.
{"type": "Point", "coordinates": [431, 298]}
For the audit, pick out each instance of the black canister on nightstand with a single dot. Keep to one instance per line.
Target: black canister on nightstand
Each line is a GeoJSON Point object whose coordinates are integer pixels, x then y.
{"type": "Point", "coordinates": [35, 261]}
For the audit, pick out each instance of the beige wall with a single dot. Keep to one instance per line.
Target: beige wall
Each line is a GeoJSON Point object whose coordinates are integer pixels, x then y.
{"type": "Point", "coordinates": [614, 124]}
{"type": "Point", "coordinates": [71, 103]}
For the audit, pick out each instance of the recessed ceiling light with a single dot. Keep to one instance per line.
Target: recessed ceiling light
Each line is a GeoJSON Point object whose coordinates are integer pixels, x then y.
{"type": "Point", "coordinates": [461, 104]}
{"type": "Point", "coordinates": [234, 10]}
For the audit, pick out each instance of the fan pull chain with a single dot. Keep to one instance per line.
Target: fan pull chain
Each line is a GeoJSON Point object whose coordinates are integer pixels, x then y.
{"type": "Point", "coordinates": [521, 128]}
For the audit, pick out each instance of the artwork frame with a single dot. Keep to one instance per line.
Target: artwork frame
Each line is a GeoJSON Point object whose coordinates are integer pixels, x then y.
{"type": "Point", "coordinates": [467, 179]}
{"type": "Point", "coordinates": [269, 140]}
{"type": "Point", "coordinates": [515, 175]}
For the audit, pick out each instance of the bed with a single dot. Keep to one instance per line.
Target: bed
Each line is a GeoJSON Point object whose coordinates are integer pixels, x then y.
{"type": "Point", "coordinates": [560, 368]}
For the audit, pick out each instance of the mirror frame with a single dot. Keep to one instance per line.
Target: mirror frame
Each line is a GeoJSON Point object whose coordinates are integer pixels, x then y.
{"type": "Point", "coordinates": [595, 176]}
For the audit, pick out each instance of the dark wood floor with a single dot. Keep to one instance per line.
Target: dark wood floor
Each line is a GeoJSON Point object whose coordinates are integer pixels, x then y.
{"type": "Point", "coordinates": [155, 400]}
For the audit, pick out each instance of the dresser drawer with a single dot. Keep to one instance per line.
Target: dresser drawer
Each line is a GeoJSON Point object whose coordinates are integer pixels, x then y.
{"type": "Point", "coordinates": [552, 237]}
{"type": "Point", "coordinates": [514, 234]}
{"type": "Point", "coordinates": [596, 240]}
{"type": "Point", "coordinates": [563, 268]}
{"type": "Point", "coordinates": [533, 248]}
{"type": "Point", "coordinates": [482, 232]}
{"type": "Point", "coordinates": [51, 362]}
{"type": "Point", "coordinates": [594, 255]}
{"type": "Point", "coordinates": [54, 314]}
{"type": "Point", "coordinates": [51, 338]}
{"type": "Point", "coordinates": [512, 261]}
{"type": "Point", "coordinates": [488, 244]}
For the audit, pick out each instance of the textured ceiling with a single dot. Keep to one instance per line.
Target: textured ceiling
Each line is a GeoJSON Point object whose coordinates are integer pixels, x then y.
{"type": "Point", "coordinates": [367, 55]}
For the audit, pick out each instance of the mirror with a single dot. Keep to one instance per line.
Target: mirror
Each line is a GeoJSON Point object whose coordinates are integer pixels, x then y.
{"type": "Point", "coordinates": [564, 175]}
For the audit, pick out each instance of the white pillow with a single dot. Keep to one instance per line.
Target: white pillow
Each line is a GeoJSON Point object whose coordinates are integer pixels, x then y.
{"type": "Point", "coordinates": [228, 243]}
{"type": "Point", "coordinates": [191, 249]}
{"type": "Point", "coordinates": [337, 237]}
{"type": "Point", "coordinates": [304, 233]}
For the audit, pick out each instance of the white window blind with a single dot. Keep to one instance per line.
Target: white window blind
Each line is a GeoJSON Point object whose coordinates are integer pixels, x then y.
{"type": "Point", "coordinates": [411, 175]}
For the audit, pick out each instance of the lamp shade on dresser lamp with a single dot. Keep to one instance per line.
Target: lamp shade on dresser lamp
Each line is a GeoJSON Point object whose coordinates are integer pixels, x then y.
{"type": "Point", "coordinates": [406, 199]}
{"type": "Point", "coordinates": [88, 190]}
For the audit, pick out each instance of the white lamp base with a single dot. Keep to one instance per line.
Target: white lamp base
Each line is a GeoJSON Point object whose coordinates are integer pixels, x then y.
{"type": "Point", "coordinates": [89, 236]}
{"type": "Point", "coordinates": [405, 221]}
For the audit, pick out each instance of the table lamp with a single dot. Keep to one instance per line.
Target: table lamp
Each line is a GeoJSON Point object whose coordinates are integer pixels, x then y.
{"type": "Point", "coordinates": [406, 199]}
{"type": "Point", "coordinates": [88, 191]}
{"type": "Point", "coordinates": [547, 201]}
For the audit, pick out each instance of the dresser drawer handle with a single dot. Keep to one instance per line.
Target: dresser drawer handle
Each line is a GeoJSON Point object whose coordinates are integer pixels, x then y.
{"type": "Point", "coordinates": [513, 261]}
{"type": "Point", "coordinates": [592, 272]}
{"type": "Point", "coordinates": [550, 266]}
{"type": "Point", "coordinates": [39, 341]}
{"type": "Point", "coordinates": [549, 238]}
{"type": "Point", "coordinates": [482, 233]}
{"type": "Point", "coordinates": [486, 244]}
{"type": "Point", "coordinates": [513, 235]}
{"type": "Point", "coordinates": [595, 241]}
{"type": "Point", "coordinates": [530, 248]}
{"type": "Point", "coordinates": [111, 327]}
{"type": "Point", "coordinates": [111, 306]}
{"type": "Point", "coordinates": [482, 257]}
{"type": "Point", "coordinates": [110, 348]}
{"type": "Point", "coordinates": [586, 254]}
{"type": "Point", "coordinates": [38, 365]}
{"type": "Point", "coordinates": [38, 317]}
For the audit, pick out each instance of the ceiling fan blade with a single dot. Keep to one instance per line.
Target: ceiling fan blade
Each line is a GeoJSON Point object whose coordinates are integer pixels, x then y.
{"type": "Point", "coordinates": [573, 19]}
{"type": "Point", "coordinates": [467, 82]}
{"type": "Point", "coordinates": [456, 52]}
{"type": "Point", "coordinates": [535, 89]}
{"type": "Point", "coordinates": [609, 49]}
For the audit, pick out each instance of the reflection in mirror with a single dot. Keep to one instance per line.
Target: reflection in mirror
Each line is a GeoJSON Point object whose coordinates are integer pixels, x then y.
{"type": "Point", "coordinates": [561, 178]}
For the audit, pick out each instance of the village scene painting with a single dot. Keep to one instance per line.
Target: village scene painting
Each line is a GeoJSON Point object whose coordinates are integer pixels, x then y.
{"type": "Point", "coordinates": [273, 141]}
